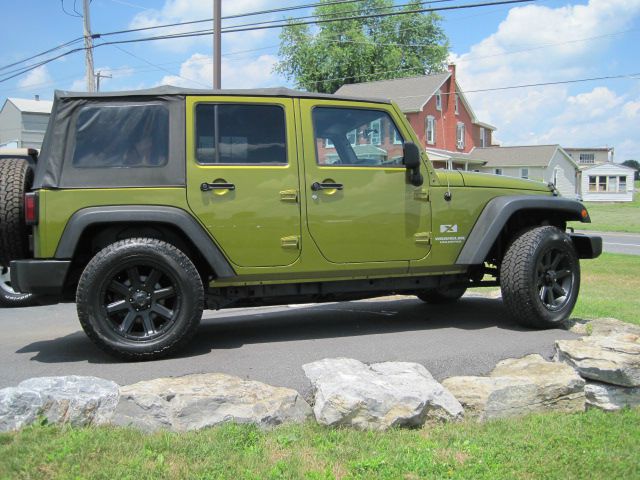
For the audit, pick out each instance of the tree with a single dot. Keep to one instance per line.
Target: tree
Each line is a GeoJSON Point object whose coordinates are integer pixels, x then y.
{"type": "Point", "coordinates": [635, 165]}
{"type": "Point", "coordinates": [353, 51]}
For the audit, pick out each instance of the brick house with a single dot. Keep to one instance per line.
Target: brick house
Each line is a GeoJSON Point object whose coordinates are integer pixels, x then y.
{"type": "Point", "coordinates": [438, 112]}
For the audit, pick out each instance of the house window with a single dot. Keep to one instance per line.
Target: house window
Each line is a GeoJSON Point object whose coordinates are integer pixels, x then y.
{"type": "Point", "coordinates": [460, 136]}
{"type": "Point", "coordinates": [497, 171]}
{"type": "Point", "coordinates": [587, 158]}
{"type": "Point", "coordinates": [457, 100]}
{"type": "Point", "coordinates": [328, 143]}
{"type": "Point", "coordinates": [352, 136]}
{"type": "Point", "coordinates": [374, 132]}
{"type": "Point", "coordinates": [431, 130]}
{"type": "Point", "coordinates": [397, 138]}
{"type": "Point", "coordinates": [438, 100]}
{"type": "Point", "coordinates": [524, 173]}
{"type": "Point", "coordinates": [610, 183]}
{"type": "Point", "coordinates": [483, 137]}
{"type": "Point", "coordinates": [622, 184]}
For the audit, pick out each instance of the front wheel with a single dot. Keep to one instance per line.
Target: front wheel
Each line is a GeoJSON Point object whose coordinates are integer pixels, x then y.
{"type": "Point", "coordinates": [140, 299]}
{"type": "Point", "coordinates": [540, 277]}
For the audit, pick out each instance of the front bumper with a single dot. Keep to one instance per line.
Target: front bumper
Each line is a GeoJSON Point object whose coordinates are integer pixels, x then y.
{"type": "Point", "coordinates": [43, 277]}
{"type": "Point", "coordinates": [587, 246]}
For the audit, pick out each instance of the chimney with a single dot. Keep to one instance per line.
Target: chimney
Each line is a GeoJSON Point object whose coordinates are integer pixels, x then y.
{"type": "Point", "coordinates": [37, 97]}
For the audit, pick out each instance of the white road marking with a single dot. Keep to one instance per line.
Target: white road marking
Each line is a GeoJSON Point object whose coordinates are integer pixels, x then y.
{"type": "Point", "coordinates": [625, 244]}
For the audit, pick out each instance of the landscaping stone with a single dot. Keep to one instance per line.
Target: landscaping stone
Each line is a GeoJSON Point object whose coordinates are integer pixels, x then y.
{"type": "Point", "coordinates": [611, 397]}
{"type": "Point", "coordinates": [197, 401]}
{"type": "Point", "coordinates": [518, 387]}
{"type": "Point", "coordinates": [605, 327]}
{"type": "Point", "coordinates": [614, 360]}
{"type": "Point", "coordinates": [70, 399]}
{"type": "Point", "coordinates": [378, 396]}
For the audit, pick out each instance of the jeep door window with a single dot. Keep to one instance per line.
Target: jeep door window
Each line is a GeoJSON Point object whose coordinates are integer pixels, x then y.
{"type": "Point", "coordinates": [121, 136]}
{"type": "Point", "coordinates": [356, 137]}
{"type": "Point", "coordinates": [239, 134]}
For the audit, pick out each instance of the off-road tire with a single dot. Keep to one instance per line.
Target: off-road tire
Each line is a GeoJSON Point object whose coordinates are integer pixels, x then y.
{"type": "Point", "coordinates": [16, 178]}
{"type": "Point", "coordinates": [443, 295]}
{"type": "Point", "coordinates": [9, 298]}
{"type": "Point", "coordinates": [101, 285]}
{"type": "Point", "coordinates": [529, 280]}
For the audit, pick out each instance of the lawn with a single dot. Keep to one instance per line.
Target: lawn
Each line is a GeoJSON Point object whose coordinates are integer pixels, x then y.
{"type": "Point", "coordinates": [592, 445]}
{"type": "Point", "coordinates": [609, 288]}
{"type": "Point", "coordinates": [613, 217]}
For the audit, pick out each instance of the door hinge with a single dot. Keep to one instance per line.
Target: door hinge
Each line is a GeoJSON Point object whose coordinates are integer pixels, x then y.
{"type": "Point", "coordinates": [423, 238]}
{"type": "Point", "coordinates": [421, 194]}
{"type": "Point", "coordinates": [292, 241]}
{"type": "Point", "coordinates": [289, 196]}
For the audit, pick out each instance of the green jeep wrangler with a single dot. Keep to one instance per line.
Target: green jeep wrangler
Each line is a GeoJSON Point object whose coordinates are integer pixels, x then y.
{"type": "Point", "coordinates": [148, 206]}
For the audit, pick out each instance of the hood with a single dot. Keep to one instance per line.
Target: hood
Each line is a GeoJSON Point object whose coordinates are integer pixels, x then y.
{"type": "Point", "coordinates": [489, 180]}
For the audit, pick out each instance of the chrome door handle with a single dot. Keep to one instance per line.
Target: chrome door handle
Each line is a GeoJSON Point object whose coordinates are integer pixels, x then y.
{"type": "Point", "coordinates": [205, 187]}
{"type": "Point", "coordinates": [315, 186]}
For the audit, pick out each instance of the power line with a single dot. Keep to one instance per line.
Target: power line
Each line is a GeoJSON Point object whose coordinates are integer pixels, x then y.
{"type": "Point", "coordinates": [77, 15]}
{"type": "Point", "coordinates": [70, 42]}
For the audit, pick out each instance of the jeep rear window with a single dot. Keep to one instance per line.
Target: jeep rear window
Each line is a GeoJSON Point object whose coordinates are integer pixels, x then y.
{"type": "Point", "coordinates": [122, 136]}
{"type": "Point", "coordinates": [240, 134]}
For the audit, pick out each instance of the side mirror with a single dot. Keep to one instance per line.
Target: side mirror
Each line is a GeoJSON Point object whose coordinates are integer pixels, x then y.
{"type": "Point", "coordinates": [412, 163]}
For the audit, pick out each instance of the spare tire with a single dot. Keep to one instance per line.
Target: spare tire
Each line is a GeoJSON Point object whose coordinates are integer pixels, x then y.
{"type": "Point", "coordinates": [16, 178]}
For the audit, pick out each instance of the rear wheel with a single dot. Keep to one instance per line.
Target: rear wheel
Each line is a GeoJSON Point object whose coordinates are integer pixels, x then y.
{"type": "Point", "coordinates": [140, 299]}
{"type": "Point", "coordinates": [442, 295]}
{"type": "Point", "coordinates": [540, 277]}
{"type": "Point", "coordinates": [9, 297]}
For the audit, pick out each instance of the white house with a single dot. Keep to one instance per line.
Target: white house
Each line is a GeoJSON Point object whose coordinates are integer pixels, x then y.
{"type": "Point", "coordinates": [23, 122]}
{"type": "Point", "coordinates": [608, 182]}
{"type": "Point", "coordinates": [544, 163]}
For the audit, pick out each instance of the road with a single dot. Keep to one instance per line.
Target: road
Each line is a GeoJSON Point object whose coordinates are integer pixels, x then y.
{"type": "Point", "coordinates": [614, 242]}
{"type": "Point", "coordinates": [271, 344]}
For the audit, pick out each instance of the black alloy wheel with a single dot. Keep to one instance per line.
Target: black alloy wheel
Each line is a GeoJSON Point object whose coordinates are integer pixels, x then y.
{"type": "Point", "coordinates": [140, 299]}
{"type": "Point", "coordinates": [555, 278]}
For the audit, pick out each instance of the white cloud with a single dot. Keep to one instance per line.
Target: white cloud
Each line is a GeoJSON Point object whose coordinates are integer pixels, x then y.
{"type": "Point", "coordinates": [177, 11]}
{"type": "Point", "coordinates": [197, 71]}
{"type": "Point", "coordinates": [557, 113]}
{"type": "Point", "coordinates": [35, 78]}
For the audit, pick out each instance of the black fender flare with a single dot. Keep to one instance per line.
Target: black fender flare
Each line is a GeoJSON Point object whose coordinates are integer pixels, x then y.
{"type": "Point", "coordinates": [497, 213]}
{"type": "Point", "coordinates": [173, 216]}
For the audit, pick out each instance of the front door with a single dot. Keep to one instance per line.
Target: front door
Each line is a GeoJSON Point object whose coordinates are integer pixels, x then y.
{"type": "Point", "coordinates": [361, 206]}
{"type": "Point", "coordinates": [242, 177]}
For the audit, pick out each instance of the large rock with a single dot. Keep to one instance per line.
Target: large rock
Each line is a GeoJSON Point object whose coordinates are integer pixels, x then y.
{"type": "Point", "coordinates": [611, 397]}
{"type": "Point", "coordinates": [203, 400]}
{"type": "Point", "coordinates": [71, 399]}
{"type": "Point", "coordinates": [378, 396]}
{"type": "Point", "coordinates": [602, 327]}
{"type": "Point", "coordinates": [518, 387]}
{"type": "Point", "coordinates": [614, 360]}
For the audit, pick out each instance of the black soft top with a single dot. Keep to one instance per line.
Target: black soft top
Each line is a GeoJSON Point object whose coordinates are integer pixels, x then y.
{"type": "Point", "coordinates": [57, 170]}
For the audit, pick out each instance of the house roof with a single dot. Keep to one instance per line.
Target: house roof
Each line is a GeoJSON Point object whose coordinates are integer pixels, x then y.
{"type": "Point", "coordinates": [410, 93]}
{"type": "Point", "coordinates": [608, 167]}
{"type": "Point", "coordinates": [523, 156]}
{"type": "Point", "coordinates": [588, 149]}
{"type": "Point", "coordinates": [31, 106]}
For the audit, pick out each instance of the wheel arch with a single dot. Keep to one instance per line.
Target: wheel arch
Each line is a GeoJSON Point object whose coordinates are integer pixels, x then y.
{"type": "Point", "coordinates": [506, 216]}
{"type": "Point", "coordinates": [94, 227]}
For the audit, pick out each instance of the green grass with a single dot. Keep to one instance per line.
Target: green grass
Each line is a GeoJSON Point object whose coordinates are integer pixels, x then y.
{"type": "Point", "coordinates": [610, 287]}
{"type": "Point", "coordinates": [592, 445]}
{"type": "Point", "coordinates": [613, 217]}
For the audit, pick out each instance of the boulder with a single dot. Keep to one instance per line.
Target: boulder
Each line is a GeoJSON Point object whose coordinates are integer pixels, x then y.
{"type": "Point", "coordinates": [614, 360]}
{"type": "Point", "coordinates": [604, 327]}
{"type": "Point", "coordinates": [377, 396]}
{"type": "Point", "coordinates": [611, 397]}
{"type": "Point", "coordinates": [197, 401]}
{"type": "Point", "coordinates": [518, 387]}
{"type": "Point", "coordinates": [70, 399]}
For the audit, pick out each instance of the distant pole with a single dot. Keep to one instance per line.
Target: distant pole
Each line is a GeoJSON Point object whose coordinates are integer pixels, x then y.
{"type": "Point", "coordinates": [100, 75]}
{"type": "Point", "coordinates": [217, 47]}
{"type": "Point", "coordinates": [88, 45]}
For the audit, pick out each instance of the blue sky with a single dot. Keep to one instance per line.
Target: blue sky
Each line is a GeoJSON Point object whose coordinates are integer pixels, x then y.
{"type": "Point", "coordinates": [544, 41]}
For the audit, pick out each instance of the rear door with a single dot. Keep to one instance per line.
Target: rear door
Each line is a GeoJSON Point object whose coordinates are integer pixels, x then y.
{"type": "Point", "coordinates": [242, 177]}
{"type": "Point", "coordinates": [361, 206]}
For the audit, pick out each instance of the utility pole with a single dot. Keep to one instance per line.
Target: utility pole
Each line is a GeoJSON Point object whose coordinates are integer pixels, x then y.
{"type": "Point", "coordinates": [100, 75]}
{"type": "Point", "coordinates": [88, 45]}
{"type": "Point", "coordinates": [217, 47]}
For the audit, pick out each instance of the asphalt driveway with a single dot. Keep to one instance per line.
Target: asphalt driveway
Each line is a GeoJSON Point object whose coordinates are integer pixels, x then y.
{"type": "Point", "coordinates": [270, 344]}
